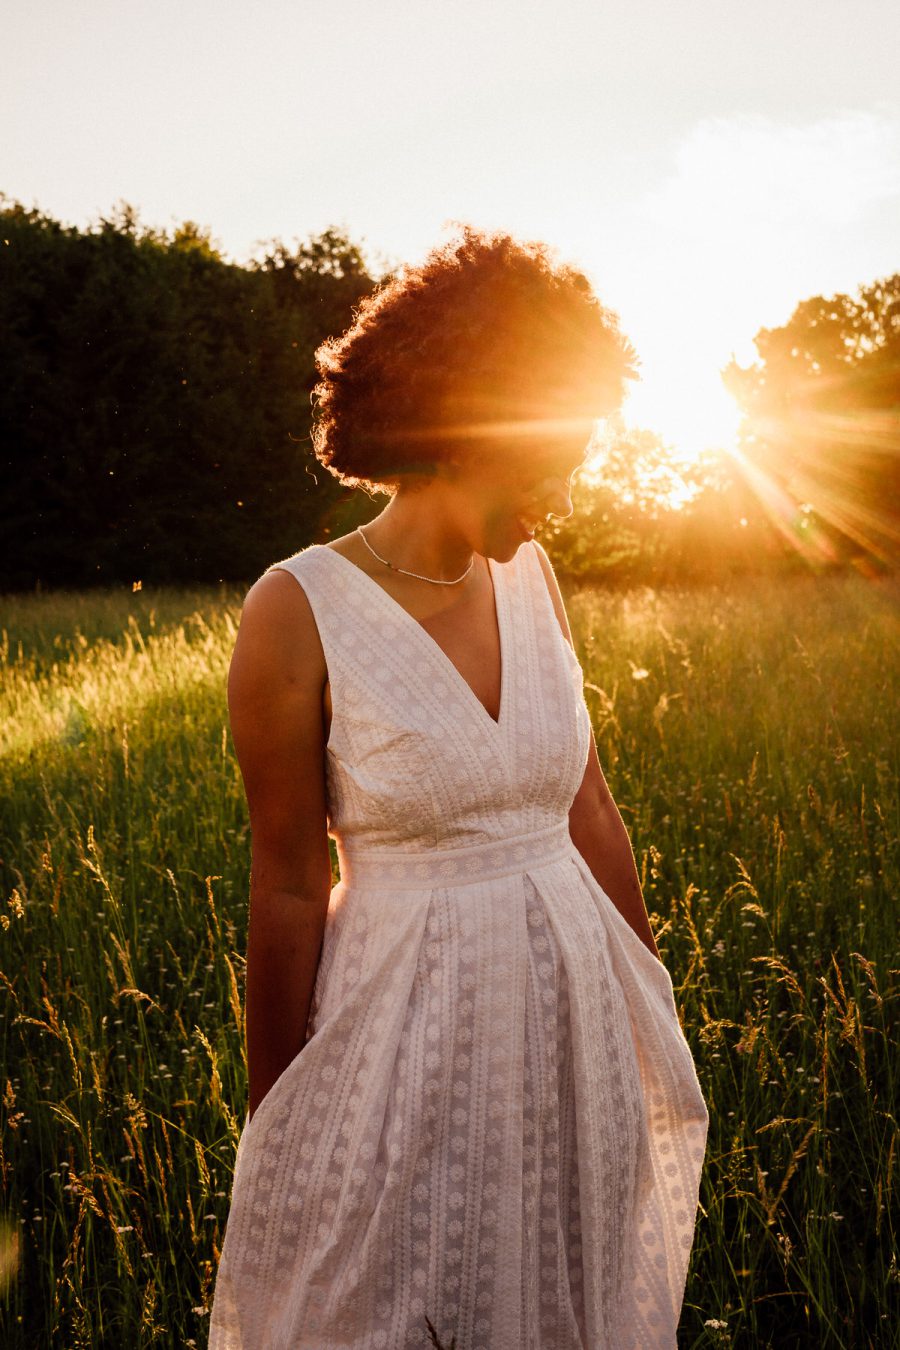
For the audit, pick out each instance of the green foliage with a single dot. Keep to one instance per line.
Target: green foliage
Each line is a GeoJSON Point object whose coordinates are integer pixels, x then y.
{"type": "Point", "coordinates": [822, 414]}
{"type": "Point", "coordinates": [762, 805]}
{"type": "Point", "coordinates": [155, 406]}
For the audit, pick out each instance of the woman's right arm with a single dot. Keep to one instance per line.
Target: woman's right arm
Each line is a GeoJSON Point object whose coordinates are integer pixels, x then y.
{"type": "Point", "coordinates": [275, 685]}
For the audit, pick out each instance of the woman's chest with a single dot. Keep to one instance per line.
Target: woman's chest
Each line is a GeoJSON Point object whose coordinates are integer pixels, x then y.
{"type": "Point", "coordinates": [469, 641]}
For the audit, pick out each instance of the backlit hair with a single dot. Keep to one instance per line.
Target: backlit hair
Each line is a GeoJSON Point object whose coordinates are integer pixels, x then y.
{"type": "Point", "coordinates": [476, 350]}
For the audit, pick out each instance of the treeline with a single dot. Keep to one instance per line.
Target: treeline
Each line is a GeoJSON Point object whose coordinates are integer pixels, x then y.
{"type": "Point", "coordinates": [155, 400]}
{"type": "Point", "coordinates": [155, 414]}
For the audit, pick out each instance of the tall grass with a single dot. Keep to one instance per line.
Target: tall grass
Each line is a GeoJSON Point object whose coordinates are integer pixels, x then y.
{"type": "Point", "coordinates": [750, 738]}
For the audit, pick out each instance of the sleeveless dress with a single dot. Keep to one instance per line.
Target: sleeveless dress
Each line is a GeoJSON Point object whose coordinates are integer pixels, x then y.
{"type": "Point", "coordinates": [495, 1121]}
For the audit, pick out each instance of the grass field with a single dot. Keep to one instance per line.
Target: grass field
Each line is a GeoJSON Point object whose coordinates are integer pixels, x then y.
{"type": "Point", "coordinates": [750, 737]}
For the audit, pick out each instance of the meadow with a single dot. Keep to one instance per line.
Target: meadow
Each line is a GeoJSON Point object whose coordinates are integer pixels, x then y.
{"type": "Point", "coordinates": [749, 734]}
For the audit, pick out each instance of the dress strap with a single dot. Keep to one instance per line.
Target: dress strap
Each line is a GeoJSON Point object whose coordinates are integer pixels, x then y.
{"type": "Point", "coordinates": [306, 569]}
{"type": "Point", "coordinates": [532, 579]}
{"type": "Point", "coordinates": [316, 580]}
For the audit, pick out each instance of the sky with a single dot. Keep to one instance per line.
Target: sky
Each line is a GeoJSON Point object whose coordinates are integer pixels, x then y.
{"type": "Point", "coordinates": [709, 164]}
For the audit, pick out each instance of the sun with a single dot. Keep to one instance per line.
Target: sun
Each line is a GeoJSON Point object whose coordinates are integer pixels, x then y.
{"type": "Point", "coordinates": [678, 422]}
{"type": "Point", "coordinates": [692, 415]}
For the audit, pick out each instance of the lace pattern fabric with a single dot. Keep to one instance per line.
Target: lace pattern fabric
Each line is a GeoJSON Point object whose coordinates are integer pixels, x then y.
{"type": "Point", "coordinates": [495, 1119]}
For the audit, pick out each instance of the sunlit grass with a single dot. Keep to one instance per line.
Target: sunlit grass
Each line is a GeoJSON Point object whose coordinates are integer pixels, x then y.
{"type": "Point", "coordinates": [750, 739]}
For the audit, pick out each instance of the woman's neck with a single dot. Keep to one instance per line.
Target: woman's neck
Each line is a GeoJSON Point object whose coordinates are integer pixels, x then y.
{"type": "Point", "coordinates": [416, 530]}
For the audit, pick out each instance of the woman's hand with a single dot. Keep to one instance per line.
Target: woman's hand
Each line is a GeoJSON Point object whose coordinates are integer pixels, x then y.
{"type": "Point", "coordinates": [275, 686]}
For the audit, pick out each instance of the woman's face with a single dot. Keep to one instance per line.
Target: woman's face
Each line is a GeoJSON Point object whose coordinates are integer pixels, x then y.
{"type": "Point", "coordinates": [502, 500]}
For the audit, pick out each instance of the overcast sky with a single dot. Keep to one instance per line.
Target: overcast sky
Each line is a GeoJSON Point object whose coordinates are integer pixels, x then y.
{"type": "Point", "coordinates": [709, 163]}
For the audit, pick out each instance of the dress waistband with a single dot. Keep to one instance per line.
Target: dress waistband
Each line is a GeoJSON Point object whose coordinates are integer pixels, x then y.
{"type": "Point", "coordinates": [409, 869]}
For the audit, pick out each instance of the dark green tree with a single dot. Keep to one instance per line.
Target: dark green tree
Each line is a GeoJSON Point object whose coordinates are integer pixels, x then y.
{"type": "Point", "coordinates": [155, 399]}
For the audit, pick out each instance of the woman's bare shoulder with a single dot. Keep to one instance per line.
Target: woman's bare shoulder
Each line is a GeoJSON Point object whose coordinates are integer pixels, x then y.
{"type": "Point", "coordinates": [344, 543]}
{"type": "Point", "coordinates": [278, 639]}
{"type": "Point", "coordinates": [275, 686]}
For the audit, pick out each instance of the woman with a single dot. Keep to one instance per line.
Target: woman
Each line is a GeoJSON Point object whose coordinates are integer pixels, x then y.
{"type": "Point", "coordinates": [472, 1107]}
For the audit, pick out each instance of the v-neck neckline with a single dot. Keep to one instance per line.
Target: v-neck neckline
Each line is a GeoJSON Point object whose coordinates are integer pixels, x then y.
{"type": "Point", "coordinates": [433, 645]}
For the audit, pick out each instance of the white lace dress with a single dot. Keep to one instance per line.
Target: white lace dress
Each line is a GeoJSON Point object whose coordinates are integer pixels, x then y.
{"type": "Point", "coordinates": [495, 1120]}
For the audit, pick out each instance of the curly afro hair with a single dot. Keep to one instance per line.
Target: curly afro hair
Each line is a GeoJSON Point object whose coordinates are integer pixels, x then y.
{"type": "Point", "coordinates": [487, 335]}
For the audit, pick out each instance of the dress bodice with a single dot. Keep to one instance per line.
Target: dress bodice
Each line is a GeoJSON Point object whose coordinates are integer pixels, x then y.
{"type": "Point", "coordinates": [414, 760]}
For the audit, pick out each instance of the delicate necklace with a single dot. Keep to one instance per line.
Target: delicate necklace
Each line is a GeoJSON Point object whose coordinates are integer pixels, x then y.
{"type": "Point", "coordinates": [435, 581]}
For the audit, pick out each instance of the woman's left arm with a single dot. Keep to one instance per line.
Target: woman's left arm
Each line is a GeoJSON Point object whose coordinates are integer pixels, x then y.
{"type": "Point", "coordinates": [597, 829]}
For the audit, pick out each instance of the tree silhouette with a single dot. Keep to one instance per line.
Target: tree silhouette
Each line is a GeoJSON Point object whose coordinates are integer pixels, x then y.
{"type": "Point", "coordinates": [154, 410]}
